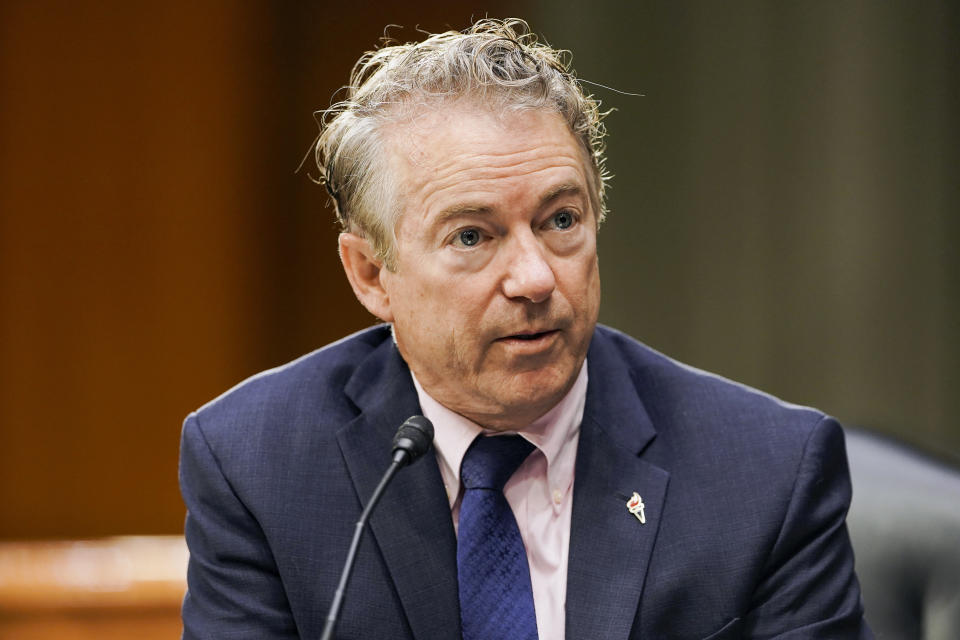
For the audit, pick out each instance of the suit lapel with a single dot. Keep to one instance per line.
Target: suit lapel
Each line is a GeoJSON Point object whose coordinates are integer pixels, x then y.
{"type": "Point", "coordinates": [412, 525]}
{"type": "Point", "coordinates": [609, 547]}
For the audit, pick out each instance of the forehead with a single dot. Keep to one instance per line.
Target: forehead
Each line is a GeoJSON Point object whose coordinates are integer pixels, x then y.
{"type": "Point", "coordinates": [461, 150]}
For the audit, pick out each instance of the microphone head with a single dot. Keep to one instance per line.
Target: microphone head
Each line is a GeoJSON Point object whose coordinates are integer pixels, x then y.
{"type": "Point", "coordinates": [413, 439]}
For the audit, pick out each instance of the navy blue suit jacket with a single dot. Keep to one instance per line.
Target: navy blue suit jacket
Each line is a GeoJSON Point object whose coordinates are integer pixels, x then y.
{"type": "Point", "coordinates": [745, 504]}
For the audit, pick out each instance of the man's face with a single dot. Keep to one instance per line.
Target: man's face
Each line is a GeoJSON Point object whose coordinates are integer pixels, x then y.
{"type": "Point", "coordinates": [496, 288]}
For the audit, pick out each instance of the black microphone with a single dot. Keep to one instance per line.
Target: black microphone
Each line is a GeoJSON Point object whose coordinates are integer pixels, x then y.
{"type": "Point", "coordinates": [412, 441]}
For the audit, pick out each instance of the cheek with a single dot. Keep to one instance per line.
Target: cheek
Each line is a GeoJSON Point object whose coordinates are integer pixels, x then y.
{"type": "Point", "coordinates": [583, 281]}
{"type": "Point", "coordinates": [433, 312]}
{"type": "Point", "coordinates": [593, 287]}
{"type": "Point", "coordinates": [593, 277]}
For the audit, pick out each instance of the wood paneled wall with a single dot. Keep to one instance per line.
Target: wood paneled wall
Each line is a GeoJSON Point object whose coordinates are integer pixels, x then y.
{"type": "Point", "coordinates": [156, 242]}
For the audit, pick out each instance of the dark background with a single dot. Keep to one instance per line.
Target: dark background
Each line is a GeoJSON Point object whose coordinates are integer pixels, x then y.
{"type": "Point", "coordinates": [783, 212]}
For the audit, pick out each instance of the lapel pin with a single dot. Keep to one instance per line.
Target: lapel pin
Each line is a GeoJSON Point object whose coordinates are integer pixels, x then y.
{"type": "Point", "coordinates": [635, 506]}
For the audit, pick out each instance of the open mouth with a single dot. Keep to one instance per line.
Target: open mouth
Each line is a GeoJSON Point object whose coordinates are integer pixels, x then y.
{"type": "Point", "coordinates": [530, 336]}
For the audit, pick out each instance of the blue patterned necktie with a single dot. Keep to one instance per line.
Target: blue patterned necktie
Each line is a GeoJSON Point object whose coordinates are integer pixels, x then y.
{"type": "Point", "coordinates": [496, 600]}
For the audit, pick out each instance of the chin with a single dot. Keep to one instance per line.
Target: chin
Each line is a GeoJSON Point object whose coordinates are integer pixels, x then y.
{"type": "Point", "coordinates": [538, 390]}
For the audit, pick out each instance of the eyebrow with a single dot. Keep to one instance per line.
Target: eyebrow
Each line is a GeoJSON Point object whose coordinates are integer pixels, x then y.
{"type": "Point", "coordinates": [460, 210]}
{"type": "Point", "coordinates": [564, 189]}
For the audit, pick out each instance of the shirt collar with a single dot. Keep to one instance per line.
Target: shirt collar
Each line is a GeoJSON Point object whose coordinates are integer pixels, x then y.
{"type": "Point", "coordinates": [551, 433]}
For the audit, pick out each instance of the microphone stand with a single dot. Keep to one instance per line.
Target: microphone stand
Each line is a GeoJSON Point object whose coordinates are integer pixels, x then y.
{"type": "Point", "coordinates": [399, 458]}
{"type": "Point", "coordinates": [412, 440]}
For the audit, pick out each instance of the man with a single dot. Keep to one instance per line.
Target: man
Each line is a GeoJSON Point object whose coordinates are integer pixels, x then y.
{"type": "Point", "coordinates": [657, 502]}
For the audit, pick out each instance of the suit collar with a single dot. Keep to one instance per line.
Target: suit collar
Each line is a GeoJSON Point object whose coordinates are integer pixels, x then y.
{"type": "Point", "coordinates": [613, 399]}
{"type": "Point", "coordinates": [416, 541]}
{"type": "Point", "coordinates": [609, 547]}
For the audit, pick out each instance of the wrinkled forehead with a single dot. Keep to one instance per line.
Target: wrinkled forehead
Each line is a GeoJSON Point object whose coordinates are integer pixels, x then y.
{"type": "Point", "coordinates": [411, 139]}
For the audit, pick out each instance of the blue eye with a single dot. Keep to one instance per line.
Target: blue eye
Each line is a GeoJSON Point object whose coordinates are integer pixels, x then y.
{"type": "Point", "coordinates": [563, 220]}
{"type": "Point", "coordinates": [469, 237]}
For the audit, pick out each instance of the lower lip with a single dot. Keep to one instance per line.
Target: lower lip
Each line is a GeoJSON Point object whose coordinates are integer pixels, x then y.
{"type": "Point", "coordinates": [537, 344]}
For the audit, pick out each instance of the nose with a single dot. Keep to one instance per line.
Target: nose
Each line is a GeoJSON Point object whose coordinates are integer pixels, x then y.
{"type": "Point", "coordinates": [529, 274]}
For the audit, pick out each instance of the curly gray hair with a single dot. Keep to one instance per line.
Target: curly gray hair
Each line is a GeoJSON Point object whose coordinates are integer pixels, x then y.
{"type": "Point", "coordinates": [499, 62]}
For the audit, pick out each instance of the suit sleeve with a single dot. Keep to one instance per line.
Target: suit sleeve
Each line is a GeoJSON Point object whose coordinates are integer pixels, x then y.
{"type": "Point", "coordinates": [233, 586]}
{"type": "Point", "coordinates": [809, 589]}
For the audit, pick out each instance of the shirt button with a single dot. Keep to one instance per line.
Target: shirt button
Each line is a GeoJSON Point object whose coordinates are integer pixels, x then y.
{"type": "Point", "coordinates": [557, 496]}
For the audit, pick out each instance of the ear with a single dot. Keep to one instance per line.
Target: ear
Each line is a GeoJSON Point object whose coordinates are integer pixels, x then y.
{"type": "Point", "coordinates": [363, 270]}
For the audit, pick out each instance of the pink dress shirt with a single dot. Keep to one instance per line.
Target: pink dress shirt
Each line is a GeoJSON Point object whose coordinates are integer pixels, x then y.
{"type": "Point", "coordinates": [540, 492]}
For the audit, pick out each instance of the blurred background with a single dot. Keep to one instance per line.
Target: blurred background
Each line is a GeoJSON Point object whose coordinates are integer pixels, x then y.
{"type": "Point", "coordinates": [783, 212]}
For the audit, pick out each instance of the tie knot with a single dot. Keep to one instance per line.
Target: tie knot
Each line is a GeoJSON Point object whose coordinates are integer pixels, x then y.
{"type": "Point", "coordinates": [490, 461]}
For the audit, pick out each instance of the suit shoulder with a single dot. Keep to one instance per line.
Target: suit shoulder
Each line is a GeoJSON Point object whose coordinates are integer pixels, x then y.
{"type": "Point", "coordinates": [311, 384]}
{"type": "Point", "coordinates": [681, 396]}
